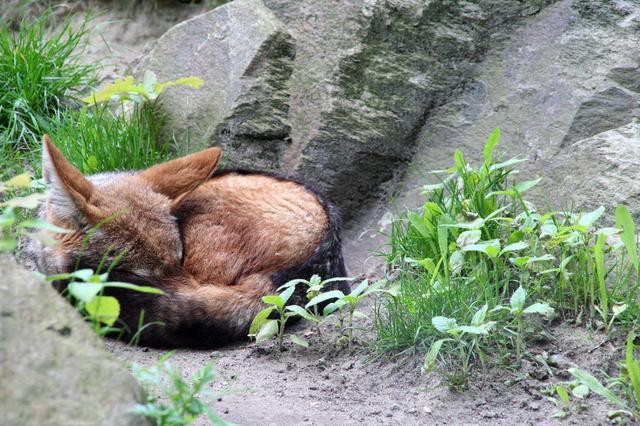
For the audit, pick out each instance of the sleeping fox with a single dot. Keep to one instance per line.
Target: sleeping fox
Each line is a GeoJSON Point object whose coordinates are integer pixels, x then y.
{"type": "Point", "coordinates": [214, 242]}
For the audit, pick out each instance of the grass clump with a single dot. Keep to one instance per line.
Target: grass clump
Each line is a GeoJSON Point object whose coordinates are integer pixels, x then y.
{"type": "Point", "coordinates": [98, 139]}
{"type": "Point", "coordinates": [476, 243]}
{"type": "Point", "coordinates": [40, 75]}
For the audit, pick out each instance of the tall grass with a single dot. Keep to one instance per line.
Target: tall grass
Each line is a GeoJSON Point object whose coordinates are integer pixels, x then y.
{"type": "Point", "coordinates": [98, 139]}
{"type": "Point", "coordinates": [476, 240]}
{"type": "Point", "coordinates": [40, 74]}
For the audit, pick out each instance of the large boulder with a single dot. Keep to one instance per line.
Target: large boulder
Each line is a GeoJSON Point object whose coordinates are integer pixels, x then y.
{"type": "Point", "coordinates": [364, 77]}
{"type": "Point", "coordinates": [244, 55]}
{"type": "Point", "coordinates": [568, 73]}
{"type": "Point", "coordinates": [53, 368]}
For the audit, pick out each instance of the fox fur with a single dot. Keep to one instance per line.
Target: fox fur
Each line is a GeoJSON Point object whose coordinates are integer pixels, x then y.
{"type": "Point", "coordinates": [214, 242]}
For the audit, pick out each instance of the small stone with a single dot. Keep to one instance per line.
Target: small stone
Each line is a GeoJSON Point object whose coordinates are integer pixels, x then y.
{"type": "Point", "coordinates": [426, 409]}
{"type": "Point", "coordinates": [388, 414]}
{"type": "Point", "coordinates": [560, 361]}
{"type": "Point", "coordinates": [313, 388]}
{"type": "Point", "coordinates": [226, 411]}
{"type": "Point", "coordinates": [395, 407]}
{"type": "Point", "coordinates": [215, 354]}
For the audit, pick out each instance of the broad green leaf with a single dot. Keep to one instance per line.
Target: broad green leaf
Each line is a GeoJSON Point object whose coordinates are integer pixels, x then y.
{"type": "Point", "coordinates": [275, 300]}
{"type": "Point", "coordinates": [123, 86]}
{"type": "Point", "coordinates": [194, 82]}
{"type": "Point", "coordinates": [618, 309]}
{"type": "Point", "coordinates": [456, 261]}
{"type": "Point", "coordinates": [85, 291]}
{"type": "Point", "coordinates": [42, 224]}
{"type": "Point", "coordinates": [475, 224]}
{"type": "Point", "coordinates": [590, 218]}
{"type": "Point", "coordinates": [291, 283]}
{"type": "Point", "coordinates": [299, 341]}
{"type": "Point", "coordinates": [444, 324]}
{"type": "Point", "coordinates": [268, 329]}
{"type": "Point", "coordinates": [334, 294]}
{"type": "Point", "coordinates": [526, 185]}
{"type": "Point", "coordinates": [474, 329]}
{"type": "Point", "coordinates": [490, 146]}
{"type": "Point", "coordinates": [517, 299]}
{"type": "Point", "coordinates": [432, 355]}
{"type": "Point", "coordinates": [580, 391]}
{"type": "Point", "coordinates": [624, 221]}
{"type": "Point", "coordinates": [508, 163]}
{"type": "Point", "coordinates": [286, 295]}
{"type": "Point", "coordinates": [548, 229]}
{"type": "Point", "coordinates": [20, 181]}
{"type": "Point", "coordinates": [334, 306]}
{"type": "Point", "coordinates": [105, 309]}
{"type": "Point", "coordinates": [490, 248]}
{"type": "Point", "coordinates": [480, 315]}
{"type": "Point", "coordinates": [360, 288]}
{"type": "Point", "coordinates": [515, 237]}
{"type": "Point", "coordinates": [300, 311]}
{"type": "Point", "coordinates": [521, 245]}
{"type": "Point", "coordinates": [259, 320]}
{"type": "Point", "coordinates": [419, 224]}
{"type": "Point", "coordinates": [595, 386]}
{"type": "Point", "coordinates": [539, 308]}
{"type": "Point", "coordinates": [563, 394]}
{"type": "Point", "coordinates": [468, 237]}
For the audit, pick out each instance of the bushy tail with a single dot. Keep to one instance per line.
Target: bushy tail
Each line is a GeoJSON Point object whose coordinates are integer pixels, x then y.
{"type": "Point", "coordinates": [197, 316]}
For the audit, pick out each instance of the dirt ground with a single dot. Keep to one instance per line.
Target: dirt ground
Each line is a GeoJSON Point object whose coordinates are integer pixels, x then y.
{"type": "Point", "coordinates": [329, 385]}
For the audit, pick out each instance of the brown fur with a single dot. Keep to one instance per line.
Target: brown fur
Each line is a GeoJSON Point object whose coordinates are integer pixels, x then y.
{"type": "Point", "coordinates": [213, 244]}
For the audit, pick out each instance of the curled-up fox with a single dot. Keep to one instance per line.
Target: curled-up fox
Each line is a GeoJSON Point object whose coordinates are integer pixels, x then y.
{"type": "Point", "coordinates": [213, 242]}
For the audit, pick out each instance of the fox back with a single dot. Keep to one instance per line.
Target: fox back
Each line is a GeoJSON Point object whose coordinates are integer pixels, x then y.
{"type": "Point", "coordinates": [215, 243]}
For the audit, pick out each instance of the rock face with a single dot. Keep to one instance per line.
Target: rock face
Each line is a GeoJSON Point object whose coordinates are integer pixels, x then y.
{"type": "Point", "coordinates": [53, 368]}
{"type": "Point", "coordinates": [364, 77]}
{"type": "Point", "coordinates": [568, 73]}
{"type": "Point", "coordinates": [603, 170]}
{"type": "Point", "coordinates": [244, 54]}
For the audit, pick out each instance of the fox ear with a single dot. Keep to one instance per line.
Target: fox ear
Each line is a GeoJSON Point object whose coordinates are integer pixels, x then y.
{"type": "Point", "coordinates": [71, 195]}
{"type": "Point", "coordinates": [178, 178]}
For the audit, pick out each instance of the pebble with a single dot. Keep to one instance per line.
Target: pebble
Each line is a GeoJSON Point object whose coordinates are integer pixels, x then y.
{"type": "Point", "coordinates": [426, 409]}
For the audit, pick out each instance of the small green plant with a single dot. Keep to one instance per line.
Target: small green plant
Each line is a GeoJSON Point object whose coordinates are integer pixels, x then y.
{"type": "Point", "coordinates": [464, 341]}
{"type": "Point", "coordinates": [170, 399]}
{"type": "Point", "coordinates": [476, 238]}
{"type": "Point", "coordinates": [126, 90]}
{"type": "Point", "coordinates": [350, 302]}
{"type": "Point", "coordinates": [518, 311]}
{"type": "Point", "coordinates": [86, 287]}
{"type": "Point", "coordinates": [15, 220]}
{"type": "Point", "coordinates": [628, 383]}
{"type": "Point", "coordinates": [263, 328]}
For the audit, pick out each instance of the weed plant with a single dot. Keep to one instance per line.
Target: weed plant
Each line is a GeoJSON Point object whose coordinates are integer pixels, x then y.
{"type": "Point", "coordinates": [476, 241]}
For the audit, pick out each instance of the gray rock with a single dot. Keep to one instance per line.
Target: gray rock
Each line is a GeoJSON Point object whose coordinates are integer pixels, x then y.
{"type": "Point", "coordinates": [605, 110]}
{"type": "Point", "coordinates": [53, 368]}
{"type": "Point", "coordinates": [627, 77]}
{"type": "Point", "coordinates": [244, 54]}
{"type": "Point", "coordinates": [601, 170]}
{"type": "Point", "coordinates": [367, 73]}
{"type": "Point", "coordinates": [364, 77]}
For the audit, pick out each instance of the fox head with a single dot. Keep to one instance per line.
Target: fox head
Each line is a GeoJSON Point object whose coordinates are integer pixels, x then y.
{"type": "Point", "coordinates": [126, 216]}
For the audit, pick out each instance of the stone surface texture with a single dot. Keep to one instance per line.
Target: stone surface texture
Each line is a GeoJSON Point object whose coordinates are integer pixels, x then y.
{"type": "Point", "coordinates": [54, 369]}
